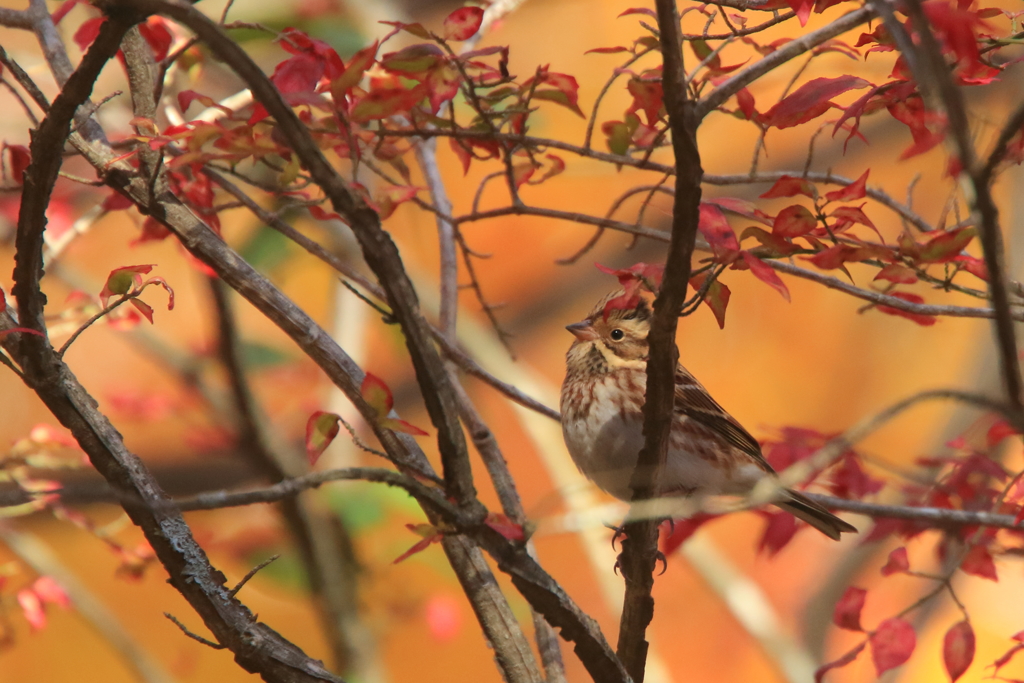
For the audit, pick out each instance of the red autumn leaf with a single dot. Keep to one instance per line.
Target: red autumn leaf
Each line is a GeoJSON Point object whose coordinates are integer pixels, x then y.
{"type": "Point", "coordinates": [715, 228]}
{"type": "Point", "coordinates": [384, 102]}
{"type": "Point", "coordinates": [894, 272]}
{"type": "Point", "coordinates": [779, 532]}
{"type": "Point", "coordinates": [855, 190]}
{"type": "Point", "coordinates": [788, 186]}
{"type": "Point", "coordinates": [847, 612]}
{"type": "Point", "coordinates": [846, 215]}
{"type": "Point", "coordinates": [639, 10]}
{"type": "Point", "coordinates": [606, 50]}
{"type": "Point", "coordinates": [741, 207]}
{"type": "Point", "coordinates": [430, 535]}
{"type": "Point", "coordinates": [838, 663]}
{"type": "Point", "coordinates": [979, 562]}
{"type": "Point", "coordinates": [565, 90]}
{"type": "Point", "coordinates": [674, 534]}
{"type": "Point", "coordinates": [745, 101]}
{"type": "Point", "coordinates": [802, 9]}
{"type": "Point", "coordinates": [811, 100]}
{"type": "Point", "coordinates": [892, 643]}
{"type": "Point", "coordinates": [32, 608]}
{"type": "Point", "coordinates": [898, 562]}
{"type": "Point", "coordinates": [377, 394]}
{"type": "Point", "coordinates": [152, 231]}
{"type": "Point", "coordinates": [974, 266]}
{"type": "Point", "coordinates": [18, 158]}
{"type": "Point", "coordinates": [1009, 654]}
{"type": "Point", "coordinates": [958, 649]}
{"type": "Point", "coordinates": [62, 11]}
{"type": "Point", "coordinates": [918, 318]}
{"type": "Point", "coordinates": [1000, 430]}
{"type": "Point", "coordinates": [145, 309]}
{"type": "Point", "coordinates": [505, 526]}
{"type": "Point", "coordinates": [298, 74]}
{"type": "Point", "coordinates": [947, 246]}
{"type": "Point", "coordinates": [463, 23]}
{"type": "Point", "coordinates": [122, 280]}
{"type": "Point", "coordinates": [647, 97]}
{"type": "Point", "coordinates": [87, 32]}
{"type": "Point", "coordinates": [321, 428]}
{"type": "Point", "coordinates": [462, 152]}
{"type": "Point", "coordinates": [413, 61]}
{"type": "Point", "coordinates": [717, 296]}
{"type": "Point", "coordinates": [763, 272]}
{"type": "Point", "coordinates": [778, 246]}
{"type": "Point", "coordinates": [794, 221]}
{"type": "Point", "coordinates": [159, 37]}
{"type": "Point", "coordinates": [20, 330]}
{"type": "Point", "coordinates": [397, 425]}
{"type": "Point", "coordinates": [352, 74]}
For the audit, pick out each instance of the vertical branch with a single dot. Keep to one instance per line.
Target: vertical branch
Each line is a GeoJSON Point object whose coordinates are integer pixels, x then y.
{"type": "Point", "coordinates": [639, 551]}
{"type": "Point", "coordinates": [933, 77]}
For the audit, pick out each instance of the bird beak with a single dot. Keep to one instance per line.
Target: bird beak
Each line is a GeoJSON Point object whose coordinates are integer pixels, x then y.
{"type": "Point", "coordinates": [582, 330]}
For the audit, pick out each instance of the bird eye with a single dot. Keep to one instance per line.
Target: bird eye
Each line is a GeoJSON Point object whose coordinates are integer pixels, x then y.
{"type": "Point", "coordinates": [617, 335]}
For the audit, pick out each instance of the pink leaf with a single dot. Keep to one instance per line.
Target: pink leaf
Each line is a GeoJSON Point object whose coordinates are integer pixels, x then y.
{"type": "Point", "coordinates": [32, 608]}
{"type": "Point", "coordinates": [847, 612]}
{"type": "Point", "coordinates": [794, 221]}
{"type": "Point", "coordinates": [463, 23]}
{"type": "Point", "coordinates": [715, 228]}
{"type": "Point", "coordinates": [855, 190]}
{"type": "Point", "coordinates": [958, 649]}
{"type": "Point", "coordinates": [892, 643]}
{"type": "Point", "coordinates": [763, 272]}
{"type": "Point", "coordinates": [898, 562]}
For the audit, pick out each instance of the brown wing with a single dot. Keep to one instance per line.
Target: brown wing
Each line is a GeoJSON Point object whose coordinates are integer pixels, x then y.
{"type": "Point", "coordinates": [694, 401]}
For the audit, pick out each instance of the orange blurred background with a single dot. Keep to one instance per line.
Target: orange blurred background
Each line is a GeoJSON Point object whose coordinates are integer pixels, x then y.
{"type": "Point", "coordinates": [816, 362]}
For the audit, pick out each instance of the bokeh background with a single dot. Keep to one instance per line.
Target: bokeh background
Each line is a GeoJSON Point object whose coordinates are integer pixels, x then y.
{"type": "Point", "coordinates": [817, 362]}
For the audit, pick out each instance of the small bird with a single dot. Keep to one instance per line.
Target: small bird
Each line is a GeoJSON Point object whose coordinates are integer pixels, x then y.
{"type": "Point", "coordinates": [602, 399]}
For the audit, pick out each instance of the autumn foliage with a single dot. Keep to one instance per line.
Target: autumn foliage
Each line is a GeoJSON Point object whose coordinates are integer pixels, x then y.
{"type": "Point", "coordinates": [353, 137]}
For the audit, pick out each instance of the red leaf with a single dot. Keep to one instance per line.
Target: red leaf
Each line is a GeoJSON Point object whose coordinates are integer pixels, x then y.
{"type": "Point", "coordinates": [763, 272]}
{"type": "Point", "coordinates": [298, 74]}
{"type": "Point", "coordinates": [802, 8]}
{"type": "Point", "coordinates": [640, 10]}
{"type": "Point", "coordinates": [974, 266]}
{"type": "Point", "coordinates": [811, 100]}
{"type": "Point", "coordinates": [715, 228]}
{"type": "Point", "coordinates": [87, 32]}
{"type": "Point", "coordinates": [779, 532]}
{"type": "Point", "coordinates": [855, 190]}
{"type": "Point", "coordinates": [794, 221]}
{"type": "Point", "coordinates": [62, 11]}
{"type": "Point", "coordinates": [566, 90]}
{"type": "Point", "coordinates": [377, 394]}
{"type": "Point", "coordinates": [19, 159]}
{"type": "Point", "coordinates": [898, 562]}
{"type": "Point", "coordinates": [847, 612]}
{"type": "Point", "coordinates": [397, 425]}
{"type": "Point", "coordinates": [947, 246]}
{"type": "Point", "coordinates": [717, 297]}
{"type": "Point", "coordinates": [159, 37]}
{"type": "Point", "coordinates": [958, 649]}
{"type": "Point", "coordinates": [462, 152]}
{"type": "Point", "coordinates": [430, 535]}
{"type": "Point", "coordinates": [505, 526]}
{"type": "Point", "coordinates": [838, 663]}
{"type": "Point", "coordinates": [851, 214]}
{"type": "Point", "coordinates": [779, 246]}
{"type": "Point", "coordinates": [979, 562]}
{"type": "Point", "coordinates": [463, 23]}
{"type": "Point", "coordinates": [122, 280]}
{"type": "Point", "coordinates": [788, 186]}
{"type": "Point", "coordinates": [353, 73]}
{"type": "Point", "coordinates": [321, 428]}
{"type": "Point", "coordinates": [892, 644]}
{"type": "Point", "coordinates": [680, 530]}
{"type": "Point", "coordinates": [1000, 430]}
{"type": "Point", "coordinates": [745, 101]}
{"type": "Point", "coordinates": [918, 318]}
{"type": "Point", "coordinates": [894, 272]}
{"type": "Point", "coordinates": [145, 309]}
{"type": "Point", "coordinates": [606, 50]}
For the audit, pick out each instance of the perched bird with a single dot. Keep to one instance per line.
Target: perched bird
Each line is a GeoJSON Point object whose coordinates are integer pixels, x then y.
{"type": "Point", "coordinates": [709, 452]}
